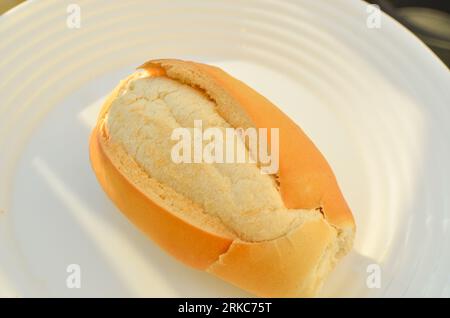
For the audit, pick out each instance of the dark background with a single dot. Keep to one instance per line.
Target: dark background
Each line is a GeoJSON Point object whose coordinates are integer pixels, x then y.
{"type": "Point", "coordinates": [428, 19]}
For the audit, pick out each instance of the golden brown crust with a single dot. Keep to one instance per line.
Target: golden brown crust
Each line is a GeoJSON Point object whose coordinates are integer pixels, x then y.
{"type": "Point", "coordinates": [285, 267]}
{"type": "Point", "coordinates": [292, 265]}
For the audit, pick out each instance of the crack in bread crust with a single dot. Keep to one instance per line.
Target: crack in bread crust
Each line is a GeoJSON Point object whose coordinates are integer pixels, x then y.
{"type": "Point", "coordinates": [141, 120]}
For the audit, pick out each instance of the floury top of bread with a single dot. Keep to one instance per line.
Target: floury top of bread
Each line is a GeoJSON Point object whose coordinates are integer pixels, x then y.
{"type": "Point", "coordinates": [201, 135]}
{"type": "Point", "coordinates": [273, 235]}
{"type": "Point", "coordinates": [143, 119]}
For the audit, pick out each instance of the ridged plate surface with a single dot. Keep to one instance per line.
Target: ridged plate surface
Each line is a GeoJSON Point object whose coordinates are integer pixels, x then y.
{"type": "Point", "coordinates": [375, 101]}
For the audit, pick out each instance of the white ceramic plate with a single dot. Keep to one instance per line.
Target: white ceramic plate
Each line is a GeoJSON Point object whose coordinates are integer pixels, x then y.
{"type": "Point", "coordinates": [375, 100]}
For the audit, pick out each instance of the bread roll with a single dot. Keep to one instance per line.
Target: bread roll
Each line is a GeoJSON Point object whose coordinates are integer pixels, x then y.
{"type": "Point", "coordinates": [272, 235]}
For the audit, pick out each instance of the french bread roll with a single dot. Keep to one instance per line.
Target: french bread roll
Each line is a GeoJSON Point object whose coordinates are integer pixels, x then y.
{"type": "Point", "coordinates": [272, 235]}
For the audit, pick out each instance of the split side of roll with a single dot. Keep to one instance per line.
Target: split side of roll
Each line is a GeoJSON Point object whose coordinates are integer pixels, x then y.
{"type": "Point", "coordinates": [273, 235]}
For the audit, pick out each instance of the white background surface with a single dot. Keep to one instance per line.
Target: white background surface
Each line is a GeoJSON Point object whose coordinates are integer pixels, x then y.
{"type": "Point", "coordinates": [375, 101]}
